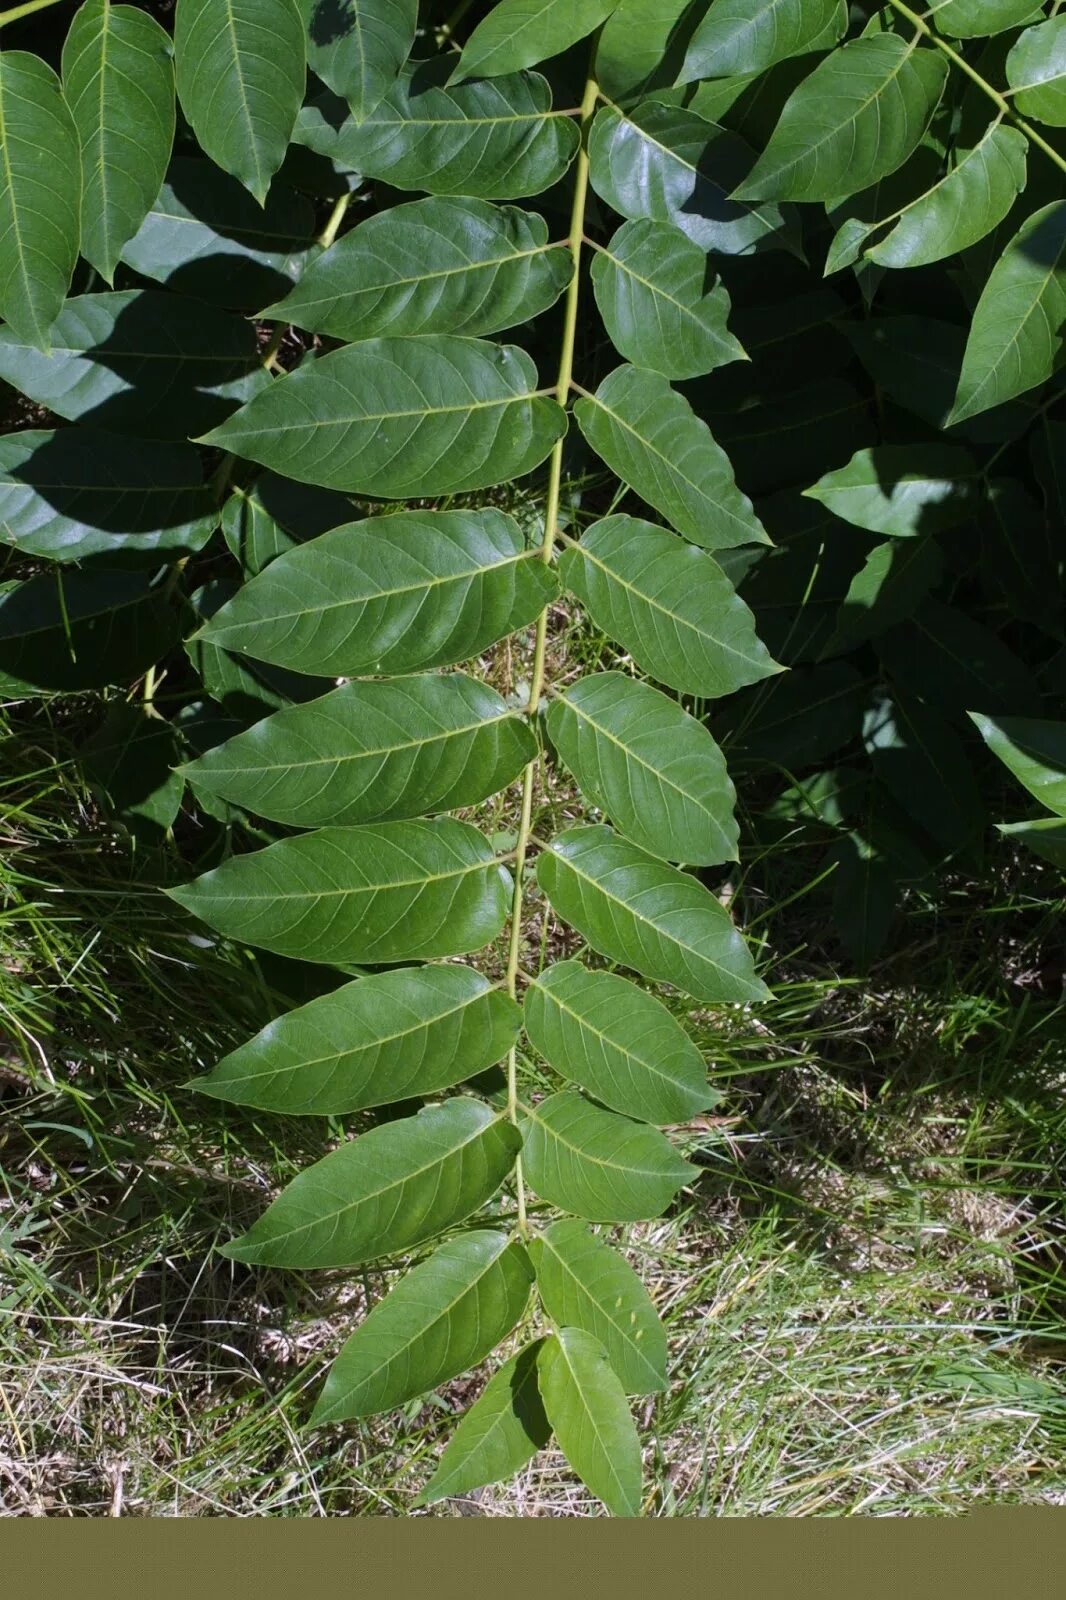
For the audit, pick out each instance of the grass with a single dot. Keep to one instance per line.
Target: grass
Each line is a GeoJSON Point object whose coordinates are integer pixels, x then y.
{"type": "Point", "coordinates": [863, 1290]}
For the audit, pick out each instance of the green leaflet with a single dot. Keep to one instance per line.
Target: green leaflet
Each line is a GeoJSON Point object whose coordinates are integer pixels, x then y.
{"type": "Point", "coordinates": [1033, 750]}
{"type": "Point", "coordinates": [81, 630]}
{"type": "Point", "coordinates": [973, 19]}
{"type": "Point", "coordinates": [893, 580]}
{"type": "Point", "coordinates": [586, 1407]}
{"type": "Point", "coordinates": [795, 719]}
{"type": "Point", "coordinates": [519, 33]}
{"type": "Point", "coordinates": [496, 138]}
{"type": "Point", "coordinates": [39, 210]}
{"type": "Point", "coordinates": [401, 418]}
{"type": "Point", "coordinates": [1015, 340]}
{"type": "Point", "coordinates": [386, 1190]}
{"type": "Point", "coordinates": [205, 236]}
{"type": "Point", "coordinates": [245, 690]}
{"type": "Point", "coordinates": [597, 1164]}
{"type": "Point", "coordinates": [503, 1429]}
{"type": "Point", "coordinates": [390, 594]}
{"type": "Point", "coordinates": [650, 436]}
{"type": "Point", "coordinates": [640, 43]}
{"type": "Point", "coordinates": [1046, 836]}
{"type": "Point", "coordinates": [358, 48]}
{"type": "Point", "coordinates": [667, 164]}
{"type": "Point", "coordinates": [585, 1284]}
{"type": "Point", "coordinates": [649, 285]}
{"type": "Point", "coordinates": [1036, 71]}
{"type": "Point", "coordinates": [854, 120]}
{"type": "Point", "coordinates": [616, 1041]}
{"type": "Point", "coordinates": [373, 752]}
{"type": "Point", "coordinates": [747, 36]}
{"type": "Point", "coordinates": [669, 604]}
{"type": "Point", "coordinates": [129, 760]}
{"type": "Point", "coordinates": [903, 490]}
{"type": "Point", "coordinates": [654, 770]}
{"type": "Point", "coordinates": [943, 655]}
{"type": "Point", "coordinates": [439, 265]}
{"type": "Point", "coordinates": [240, 75]}
{"type": "Point", "coordinates": [966, 204]}
{"type": "Point", "coordinates": [274, 515]}
{"type": "Point", "coordinates": [648, 916]}
{"type": "Point", "coordinates": [139, 361]}
{"type": "Point", "coordinates": [923, 764]}
{"type": "Point", "coordinates": [443, 1316]}
{"type": "Point", "coordinates": [392, 891]}
{"type": "Point", "coordinates": [118, 80]}
{"type": "Point", "coordinates": [383, 1038]}
{"type": "Point", "coordinates": [70, 493]}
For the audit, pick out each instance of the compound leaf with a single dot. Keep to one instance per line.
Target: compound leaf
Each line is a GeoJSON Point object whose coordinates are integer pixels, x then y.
{"type": "Point", "coordinates": [357, 47]}
{"type": "Point", "coordinates": [597, 1164]}
{"type": "Point", "coordinates": [586, 1406]}
{"type": "Point", "coordinates": [747, 36]}
{"type": "Point", "coordinates": [519, 33]}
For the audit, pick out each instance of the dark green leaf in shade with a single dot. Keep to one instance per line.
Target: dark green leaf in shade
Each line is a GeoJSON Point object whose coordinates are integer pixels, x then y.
{"type": "Point", "coordinates": [922, 763]}
{"type": "Point", "coordinates": [241, 66]}
{"type": "Point", "coordinates": [1046, 836]}
{"type": "Point", "coordinates": [747, 36]}
{"type": "Point", "coordinates": [139, 361]}
{"type": "Point", "coordinates": [583, 1283]}
{"type": "Point", "coordinates": [391, 891]}
{"type": "Point", "coordinates": [71, 493]}
{"type": "Point", "coordinates": [635, 910]}
{"type": "Point", "coordinates": [385, 1191]}
{"type": "Point", "coordinates": [653, 769]}
{"type": "Point", "coordinates": [391, 594]}
{"type": "Point", "coordinates": [945, 656]}
{"type": "Point", "coordinates": [357, 47]}
{"type": "Point", "coordinates": [520, 33]}
{"type": "Point", "coordinates": [667, 164]}
{"type": "Point", "coordinates": [244, 689]}
{"type": "Point", "coordinates": [597, 1164]}
{"type": "Point", "coordinates": [889, 586]}
{"type": "Point", "coordinates": [40, 196]}
{"type": "Point", "coordinates": [586, 1406]}
{"type": "Point", "coordinates": [649, 284]}
{"type": "Point", "coordinates": [649, 435]}
{"type": "Point", "coordinates": [796, 719]}
{"type": "Point", "coordinates": [503, 1429]}
{"type": "Point", "coordinates": [855, 119]}
{"type": "Point", "coordinates": [1033, 750]}
{"type": "Point", "coordinates": [618, 1042]}
{"type": "Point", "coordinates": [275, 514]}
{"type": "Point", "coordinates": [669, 604]}
{"type": "Point", "coordinates": [904, 490]}
{"type": "Point", "coordinates": [118, 80]}
{"type": "Point", "coordinates": [399, 418]}
{"type": "Point", "coordinates": [374, 752]}
{"type": "Point", "coordinates": [383, 1038]}
{"type": "Point", "coordinates": [440, 265]}
{"type": "Point", "coordinates": [205, 236]}
{"type": "Point", "coordinates": [640, 44]}
{"type": "Point", "coordinates": [130, 760]}
{"type": "Point", "coordinates": [81, 630]}
{"type": "Point", "coordinates": [443, 1317]}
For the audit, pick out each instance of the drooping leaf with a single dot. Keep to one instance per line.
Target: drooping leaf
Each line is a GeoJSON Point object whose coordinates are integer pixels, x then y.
{"type": "Point", "coordinates": [1046, 836]}
{"type": "Point", "coordinates": [391, 594]}
{"type": "Point", "coordinates": [496, 138]}
{"type": "Point", "coordinates": [616, 1041]}
{"type": "Point", "coordinates": [597, 1164]}
{"type": "Point", "coordinates": [1036, 71]}
{"type": "Point", "coordinates": [129, 760]}
{"type": "Point", "coordinates": [357, 47]}
{"type": "Point", "coordinates": [669, 604]}
{"type": "Point", "coordinates": [439, 265]}
{"type": "Point", "coordinates": [666, 164]}
{"type": "Point", "coordinates": [391, 891]}
{"type": "Point", "coordinates": [948, 657]}
{"type": "Point", "coordinates": [70, 493]}
{"type": "Point", "coordinates": [387, 1190]}
{"type": "Point", "coordinates": [649, 285]}
{"type": "Point", "coordinates": [139, 361]}
{"type": "Point", "coordinates": [118, 80]}
{"type": "Point", "coordinates": [1016, 337]}
{"type": "Point", "coordinates": [383, 1038]}
{"type": "Point", "coordinates": [205, 236]}
{"type": "Point", "coordinates": [520, 33]}
{"type": "Point", "coordinates": [586, 1406]}
{"type": "Point", "coordinates": [648, 916]}
{"type": "Point", "coordinates": [922, 763]}
{"type": "Point", "coordinates": [443, 1316]}
{"type": "Point", "coordinates": [855, 119]}
{"type": "Point", "coordinates": [649, 435]}
{"type": "Point", "coordinates": [40, 196]}
{"type": "Point", "coordinates": [974, 19]}
{"type": "Point", "coordinates": [1033, 750]}
{"type": "Point", "coordinates": [401, 418]}
{"type": "Point", "coordinates": [374, 752]}
{"type": "Point", "coordinates": [274, 515]}
{"type": "Point", "coordinates": [654, 770]}
{"type": "Point", "coordinates": [745, 36]}
{"type": "Point", "coordinates": [503, 1429]}
{"type": "Point", "coordinates": [240, 75]}
{"type": "Point", "coordinates": [81, 630]}
{"type": "Point", "coordinates": [585, 1284]}
{"type": "Point", "coordinates": [904, 490]}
